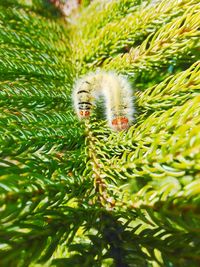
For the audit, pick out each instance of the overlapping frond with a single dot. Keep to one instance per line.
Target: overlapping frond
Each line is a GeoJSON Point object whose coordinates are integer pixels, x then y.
{"type": "Point", "coordinates": [77, 194]}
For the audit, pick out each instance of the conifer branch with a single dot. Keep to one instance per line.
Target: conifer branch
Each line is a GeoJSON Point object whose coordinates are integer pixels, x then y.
{"type": "Point", "coordinates": [82, 195]}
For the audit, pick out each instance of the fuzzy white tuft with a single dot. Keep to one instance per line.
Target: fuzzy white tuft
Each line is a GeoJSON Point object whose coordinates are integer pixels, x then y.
{"type": "Point", "coordinates": [116, 91]}
{"type": "Point", "coordinates": [85, 91]}
{"type": "Point", "coordinates": [118, 99]}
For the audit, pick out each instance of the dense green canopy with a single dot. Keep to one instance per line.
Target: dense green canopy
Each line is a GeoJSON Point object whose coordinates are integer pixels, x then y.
{"type": "Point", "coordinates": [78, 194]}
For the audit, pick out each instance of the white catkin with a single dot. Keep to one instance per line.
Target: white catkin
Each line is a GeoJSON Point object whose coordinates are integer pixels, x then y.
{"type": "Point", "coordinates": [117, 93]}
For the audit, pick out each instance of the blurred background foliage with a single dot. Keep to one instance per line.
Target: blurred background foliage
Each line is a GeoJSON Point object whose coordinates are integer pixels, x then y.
{"type": "Point", "coordinates": [75, 194]}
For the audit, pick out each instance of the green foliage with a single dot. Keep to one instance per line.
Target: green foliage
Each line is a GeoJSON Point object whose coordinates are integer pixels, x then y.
{"type": "Point", "coordinates": [75, 194]}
